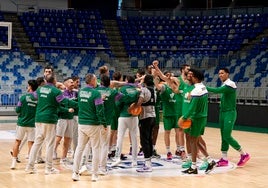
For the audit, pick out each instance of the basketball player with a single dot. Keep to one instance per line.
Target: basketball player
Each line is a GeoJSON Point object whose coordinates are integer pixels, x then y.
{"type": "Point", "coordinates": [197, 112]}
{"type": "Point", "coordinates": [227, 118]}
{"type": "Point", "coordinates": [25, 109]}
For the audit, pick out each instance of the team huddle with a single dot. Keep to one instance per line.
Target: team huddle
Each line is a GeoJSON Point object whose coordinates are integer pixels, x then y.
{"type": "Point", "coordinates": [93, 120]}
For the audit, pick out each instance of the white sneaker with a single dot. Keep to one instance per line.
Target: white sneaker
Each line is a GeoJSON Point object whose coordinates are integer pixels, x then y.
{"type": "Point", "coordinates": [66, 161]}
{"type": "Point", "coordinates": [117, 162]}
{"type": "Point", "coordinates": [13, 164]}
{"type": "Point", "coordinates": [94, 177]}
{"type": "Point", "coordinates": [134, 163]}
{"type": "Point", "coordinates": [63, 161]}
{"type": "Point", "coordinates": [40, 161]}
{"type": "Point", "coordinates": [75, 177]}
{"type": "Point", "coordinates": [145, 169]}
{"type": "Point", "coordinates": [83, 170]}
{"type": "Point", "coordinates": [52, 171]}
{"type": "Point", "coordinates": [11, 153]}
{"type": "Point", "coordinates": [102, 172]}
{"type": "Point", "coordinates": [29, 170]}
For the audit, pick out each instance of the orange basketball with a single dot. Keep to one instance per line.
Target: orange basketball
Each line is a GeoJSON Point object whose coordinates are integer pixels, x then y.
{"type": "Point", "coordinates": [134, 109]}
{"type": "Point", "coordinates": [184, 124]}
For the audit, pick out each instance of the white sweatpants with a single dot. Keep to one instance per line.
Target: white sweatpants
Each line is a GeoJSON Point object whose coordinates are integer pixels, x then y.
{"type": "Point", "coordinates": [130, 123]}
{"type": "Point", "coordinates": [43, 132]}
{"type": "Point", "coordinates": [104, 142]}
{"type": "Point", "coordinates": [86, 133]}
{"type": "Point", "coordinates": [75, 132]}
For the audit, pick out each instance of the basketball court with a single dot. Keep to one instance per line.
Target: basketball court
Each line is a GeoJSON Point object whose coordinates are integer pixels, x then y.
{"type": "Point", "coordinates": [165, 173]}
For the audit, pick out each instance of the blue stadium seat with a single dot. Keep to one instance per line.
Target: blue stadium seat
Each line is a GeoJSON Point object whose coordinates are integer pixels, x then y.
{"type": "Point", "coordinates": [13, 99]}
{"type": "Point", "coordinates": [5, 99]}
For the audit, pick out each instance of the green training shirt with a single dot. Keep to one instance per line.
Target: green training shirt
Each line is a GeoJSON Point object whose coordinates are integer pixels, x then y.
{"type": "Point", "coordinates": [186, 97]}
{"type": "Point", "coordinates": [228, 95]}
{"type": "Point", "coordinates": [199, 102]}
{"type": "Point", "coordinates": [49, 100]}
{"type": "Point", "coordinates": [91, 107]}
{"type": "Point", "coordinates": [26, 109]}
{"type": "Point", "coordinates": [130, 94]}
{"type": "Point", "coordinates": [110, 96]}
{"type": "Point", "coordinates": [170, 101]}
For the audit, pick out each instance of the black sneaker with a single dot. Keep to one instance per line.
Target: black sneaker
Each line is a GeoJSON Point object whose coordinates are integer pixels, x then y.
{"type": "Point", "coordinates": [40, 161]}
{"type": "Point", "coordinates": [178, 153]}
{"type": "Point", "coordinates": [190, 171]}
{"type": "Point", "coordinates": [140, 152]}
{"type": "Point", "coordinates": [111, 155]}
{"type": "Point", "coordinates": [156, 155]}
{"type": "Point", "coordinates": [123, 157]}
{"type": "Point", "coordinates": [17, 159]}
{"type": "Point", "coordinates": [130, 151]}
{"type": "Point", "coordinates": [210, 167]}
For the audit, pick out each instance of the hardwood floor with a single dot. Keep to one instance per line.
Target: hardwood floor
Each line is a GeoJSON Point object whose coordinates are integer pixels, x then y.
{"type": "Point", "coordinates": [254, 174]}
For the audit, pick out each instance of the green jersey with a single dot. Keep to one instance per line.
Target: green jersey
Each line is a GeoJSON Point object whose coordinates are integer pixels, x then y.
{"type": "Point", "coordinates": [186, 97]}
{"type": "Point", "coordinates": [64, 110]}
{"type": "Point", "coordinates": [91, 107]}
{"type": "Point", "coordinates": [26, 109]}
{"type": "Point", "coordinates": [116, 109]}
{"type": "Point", "coordinates": [199, 102]}
{"type": "Point", "coordinates": [181, 88]}
{"type": "Point", "coordinates": [180, 94]}
{"type": "Point", "coordinates": [130, 94]}
{"type": "Point", "coordinates": [63, 113]}
{"type": "Point", "coordinates": [170, 101]}
{"type": "Point", "coordinates": [49, 100]}
{"type": "Point", "coordinates": [228, 95]}
{"type": "Point", "coordinates": [110, 97]}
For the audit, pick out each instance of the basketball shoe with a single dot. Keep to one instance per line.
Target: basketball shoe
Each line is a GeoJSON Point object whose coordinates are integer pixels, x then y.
{"type": "Point", "coordinates": [222, 162]}
{"type": "Point", "coordinates": [156, 155]}
{"type": "Point", "coordinates": [243, 160]}
{"type": "Point", "coordinates": [187, 164]}
{"type": "Point", "coordinates": [145, 169]}
{"type": "Point", "coordinates": [210, 167]}
{"type": "Point", "coordinates": [169, 156]}
{"type": "Point", "coordinates": [190, 171]}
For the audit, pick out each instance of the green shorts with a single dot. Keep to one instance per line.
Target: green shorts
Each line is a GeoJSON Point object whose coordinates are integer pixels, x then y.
{"type": "Point", "coordinates": [198, 126]}
{"type": "Point", "coordinates": [170, 122]}
{"type": "Point", "coordinates": [114, 123]}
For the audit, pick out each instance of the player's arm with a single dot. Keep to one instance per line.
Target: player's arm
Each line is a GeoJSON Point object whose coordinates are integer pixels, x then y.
{"type": "Point", "coordinates": [140, 79]}
{"type": "Point", "coordinates": [116, 84]}
{"type": "Point", "coordinates": [60, 85]}
{"type": "Point", "coordinates": [174, 84]}
{"type": "Point", "coordinates": [222, 89]}
{"type": "Point", "coordinates": [99, 104]}
{"type": "Point", "coordinates": [156, 71]}
{"type": "Point", "coordinates": [157, 83]}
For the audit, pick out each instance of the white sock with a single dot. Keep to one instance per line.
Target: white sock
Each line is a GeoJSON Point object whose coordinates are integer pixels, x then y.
{"type": "Point", "coordinates": [193, 166]}
{"type": "Point", "coordinates": [224, 155]}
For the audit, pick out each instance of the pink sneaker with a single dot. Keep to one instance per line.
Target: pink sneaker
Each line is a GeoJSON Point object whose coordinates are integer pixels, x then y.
{"type": "Point", "coordinates": [243, 160]}
{"type": "Point", "coordinates": [222, 162]}
{"type": "Point", "coordinates": [169, 156]}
